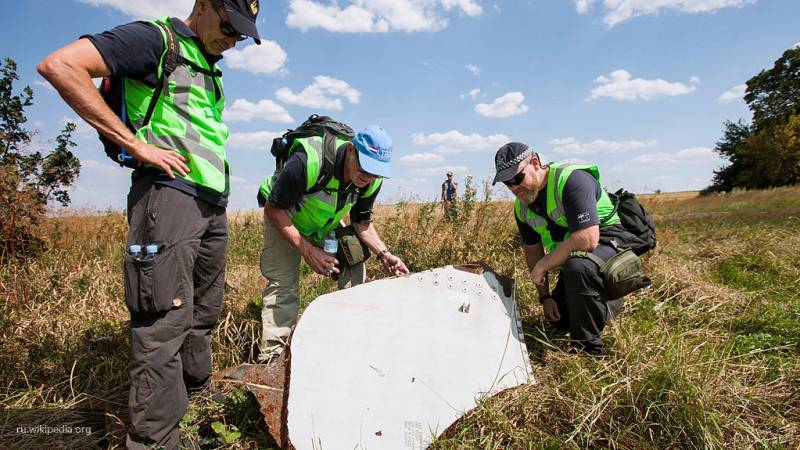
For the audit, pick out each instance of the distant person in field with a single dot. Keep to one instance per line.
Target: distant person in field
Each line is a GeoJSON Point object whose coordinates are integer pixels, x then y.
{"type": "Point", "coordinates": [296, 222]}
{"type": "Point", "coordinates": [561, 208]}
{"type": "Point", "coordinates": [449, 194]}
{"type": "Point", "coordinates": [178, 196]}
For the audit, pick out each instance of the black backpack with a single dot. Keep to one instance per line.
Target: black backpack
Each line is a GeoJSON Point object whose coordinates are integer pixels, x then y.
{"type": "Point", "coordinates": [112, 89]}
{"type": "Point", "coordinates": [635, 220]}
{"type": "Point", "coordinates": [315, 125]}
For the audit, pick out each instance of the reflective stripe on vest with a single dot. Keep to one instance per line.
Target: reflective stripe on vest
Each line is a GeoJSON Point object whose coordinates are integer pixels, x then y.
{"type": "Point", "coordinates": [315, 215]}
{"type": "Point", "coordinates": [187, 117]}
{"type": "Point", "coordinates": [556, 180]}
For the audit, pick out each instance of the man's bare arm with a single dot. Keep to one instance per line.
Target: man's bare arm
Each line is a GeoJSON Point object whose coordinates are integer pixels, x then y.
{"type": "Point", "coordinates": [70, 70]}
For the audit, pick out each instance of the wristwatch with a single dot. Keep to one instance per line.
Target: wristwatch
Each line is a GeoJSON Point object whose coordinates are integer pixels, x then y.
{"type": "Point", "coordinates": [382, 253]}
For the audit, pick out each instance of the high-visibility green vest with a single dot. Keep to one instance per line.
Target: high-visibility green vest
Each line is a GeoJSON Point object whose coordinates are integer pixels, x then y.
{"type": "Point", "coordinates": [556, 179]}
{"type": "Point", "coordinates": [187, 117]}
{"type": "Point", "coordinates": [316, 214]}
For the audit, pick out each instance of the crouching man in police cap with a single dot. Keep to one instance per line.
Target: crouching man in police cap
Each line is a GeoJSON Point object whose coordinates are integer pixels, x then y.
{"type": "Point", "coordinates": [563, 214]}
{"type": "Point", "coordinates": [296, 221]}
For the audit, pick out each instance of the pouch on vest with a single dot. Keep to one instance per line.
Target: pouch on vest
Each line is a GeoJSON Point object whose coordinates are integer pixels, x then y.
{"type": "Point", "coordinates": [622, 273]}
{"type": "Point", "coordinates": [635, 220]}
{"type": "Point", "coordinates": [315, 125]}
{"type": "Point", "coordinates": [351, 249]}
{"type": "Point", "coordinates": [112, 90]}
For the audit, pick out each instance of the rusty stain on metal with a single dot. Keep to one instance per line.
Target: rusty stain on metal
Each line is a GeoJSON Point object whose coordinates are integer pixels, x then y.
{"type": "Point", "coordinates": [269, 383]}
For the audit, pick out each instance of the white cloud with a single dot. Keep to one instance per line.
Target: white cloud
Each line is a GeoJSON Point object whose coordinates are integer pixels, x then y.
{"type": "Point", "coordinates": [582, 6]}
{"type": "Point", "coordinates": [796, 45]}
{"type": "Point", "coordinates": [734, 93]}
{"type": "Point", "coordinates": [91, 165]}
{"type": "Point", "coordinates": [44, 84]}
{"type": "Point", "coordinates": [650, 160]}
{"type": "Point", "coordinates": [454, 141]}
{"type": "Point", "coordinates": [684, 157]}
{"type": "Point", "coordinates": [422, 158]}
{"type": "Point", "coordinates": [617, 11]}
{"type": "Point", "coordinates": [468, 7]}
{"type": "Point", "coordinates": [258, 140]}
{"type": "Point", "coordinates": [473, 69]}
{"type": "Point", "coordinates": [321, 93]}
{"type": "Point", "coordinates": [147, 9]}
{"type": "Point", "coordinates": [698, 153]}
{"type": "Point", "coordinates": [244, 111]}
{"type": "Point", "coordinates": [573, 161]}
{"type": "Point", "coordinates": [508, 105]}
{"type": "Point", "coordinates": [376, 16]}
{"type": "Point", "coordinates": [266, 58]}
{"type": "Point", "coordinates": [619, 86]}
{"type": "Point", "coordinates": [571, 146]}
{"type": "Point", "coordinates": [439, 170]}
{"type": "Point", "coordinates": [473, 93]}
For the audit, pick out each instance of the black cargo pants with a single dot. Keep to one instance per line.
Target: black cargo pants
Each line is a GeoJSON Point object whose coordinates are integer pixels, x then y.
{"type": "Point", "coordinates": [174, 300]}
{"type": "Point", "coordinates": [582, 301]}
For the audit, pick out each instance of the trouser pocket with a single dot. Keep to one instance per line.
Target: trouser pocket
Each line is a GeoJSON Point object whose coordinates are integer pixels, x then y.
{"type": "Point", "coordinates": [161, 282]}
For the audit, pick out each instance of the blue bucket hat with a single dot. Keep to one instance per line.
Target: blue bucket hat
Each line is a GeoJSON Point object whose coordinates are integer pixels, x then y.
{"type": "Point", "coordinates": [375, 151]}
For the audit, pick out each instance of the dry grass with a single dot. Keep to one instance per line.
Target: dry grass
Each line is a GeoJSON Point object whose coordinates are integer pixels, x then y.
{"type": "Point", "coordinates": [707, 358]}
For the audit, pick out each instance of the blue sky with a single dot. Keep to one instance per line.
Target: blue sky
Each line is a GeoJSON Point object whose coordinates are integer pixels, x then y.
{"type": "Point", "coordinates": [640, 87]}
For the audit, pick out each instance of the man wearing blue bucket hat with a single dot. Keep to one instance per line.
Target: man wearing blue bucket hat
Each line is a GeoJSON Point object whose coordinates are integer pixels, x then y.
{"type": "Point", "coordinates": [298, 218]}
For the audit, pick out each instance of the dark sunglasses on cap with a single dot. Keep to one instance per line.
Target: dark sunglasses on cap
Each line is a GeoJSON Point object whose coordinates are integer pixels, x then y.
{"type": "Point", "coordinates": [516, 180]}
{"type": "Point", "coordinates": [227, 29]}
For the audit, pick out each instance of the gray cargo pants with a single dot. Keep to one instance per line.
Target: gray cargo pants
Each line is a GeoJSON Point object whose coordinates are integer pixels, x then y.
{"type": "Point", "coordinates": [174, 300]}
{"type": "Point", "coordinates": [582, 301]}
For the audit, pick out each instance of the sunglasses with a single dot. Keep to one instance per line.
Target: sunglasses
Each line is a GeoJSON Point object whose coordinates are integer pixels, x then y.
{"type": "Point", "coordinates": [227, 29]}
{"type": "Point", "coordinates": [516, 180]}
{"type": "Point", "coordinates": [364, 172]}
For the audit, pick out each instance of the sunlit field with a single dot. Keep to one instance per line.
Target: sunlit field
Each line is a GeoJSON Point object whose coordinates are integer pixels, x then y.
{"type": "Point", "coordinates": [709, 357]}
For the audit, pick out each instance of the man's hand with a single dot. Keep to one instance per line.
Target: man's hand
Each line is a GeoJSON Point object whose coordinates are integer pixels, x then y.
{"type": "Point", "coordinates": [166, 160]}
{"type": "Point", "coordinates": [539, 274]}
{"type": "Point", "coordinates": [394, 265]}
{"type": "Point", "coordinates": [551, 310]}
{"type": "Point", "coordinates": [320, 262]}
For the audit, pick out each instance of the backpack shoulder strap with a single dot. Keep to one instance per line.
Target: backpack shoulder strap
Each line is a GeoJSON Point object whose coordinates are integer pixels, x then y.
{"type": "Point", "coordinates": [169, 62]}
{"type": "Point", "coordinates": [328, 163]}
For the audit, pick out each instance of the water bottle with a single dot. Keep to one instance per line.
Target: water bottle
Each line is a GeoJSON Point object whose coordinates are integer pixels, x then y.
{"type": "Point", "coordinates": [330, 245]}
{"type": "Point", "coordinates": [150, 252]}
{"type": "Point", "coordinates": [135, 251]}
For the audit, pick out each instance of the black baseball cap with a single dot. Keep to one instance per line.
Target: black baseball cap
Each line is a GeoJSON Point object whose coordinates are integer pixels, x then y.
{"type": "Point", "coordinates": [510, 159]}
{"type": "Point", "coordinates": [242, 15]}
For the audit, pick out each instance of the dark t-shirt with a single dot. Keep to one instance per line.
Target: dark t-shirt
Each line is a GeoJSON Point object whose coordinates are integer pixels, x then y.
{"type": "Point", "coordinates": [580, 196]}
{"type": "Point", "coordinates": [134, 51]}
{"type": "Point", "coordinates": [290, 186]}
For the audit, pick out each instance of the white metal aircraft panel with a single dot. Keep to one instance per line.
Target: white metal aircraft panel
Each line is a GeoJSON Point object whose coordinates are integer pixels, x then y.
{"type": "Point", "coordinates": [392, 363]}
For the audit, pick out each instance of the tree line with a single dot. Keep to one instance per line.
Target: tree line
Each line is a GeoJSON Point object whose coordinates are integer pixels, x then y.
{"type": "Point", "coordinates": [766, 152]}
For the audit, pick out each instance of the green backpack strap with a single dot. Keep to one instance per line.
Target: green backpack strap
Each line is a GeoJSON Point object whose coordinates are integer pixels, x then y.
{"type": "Point", "coordinates": [590, 256]}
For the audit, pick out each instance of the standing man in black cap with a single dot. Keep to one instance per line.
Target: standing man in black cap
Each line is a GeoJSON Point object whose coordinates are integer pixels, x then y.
{"type": "Point", "coordinates": [171, 126]}
{"type": "Point", "coordinates": [562, 209]}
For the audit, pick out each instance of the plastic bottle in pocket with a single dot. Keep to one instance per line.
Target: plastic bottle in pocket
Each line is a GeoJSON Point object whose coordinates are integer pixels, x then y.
{"type": "Point", "coordinates": [135, 251]}
{"type": "Point", "coordinates": [150, 252]}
